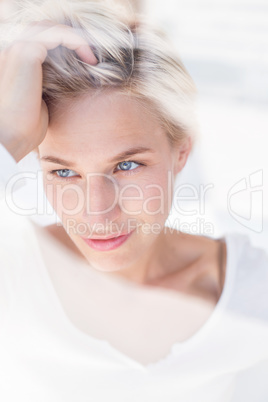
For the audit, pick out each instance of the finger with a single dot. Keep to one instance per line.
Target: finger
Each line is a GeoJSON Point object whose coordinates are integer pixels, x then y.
{"type": "Point", "coordinates": [53, 36]}
{"type": "Point", "coordinates": [34, 28]}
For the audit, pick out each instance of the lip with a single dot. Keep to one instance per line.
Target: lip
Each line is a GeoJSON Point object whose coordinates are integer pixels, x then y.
{"type": "Point", "coordinates": [108, 243]}
{"type": "Point", "coordinates": [112, 236]}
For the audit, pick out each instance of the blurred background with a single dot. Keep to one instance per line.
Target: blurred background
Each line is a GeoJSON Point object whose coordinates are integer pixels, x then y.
{"type": "Point", "coordinates": [224, 46]}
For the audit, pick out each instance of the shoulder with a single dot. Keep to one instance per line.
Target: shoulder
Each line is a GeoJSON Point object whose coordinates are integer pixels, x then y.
{"type": "Point", "coordinates": [204, 250]}
{"type": "Point", "coordinates": [199, 261]}
{"type": "Point", "coordinates": [249, 259]}
{"type": "Point", "coordinates": [248, 275]}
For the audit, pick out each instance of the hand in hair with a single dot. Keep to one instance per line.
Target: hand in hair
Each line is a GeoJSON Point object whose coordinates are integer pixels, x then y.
{"type": "Point", "coordinates": [23, 114]}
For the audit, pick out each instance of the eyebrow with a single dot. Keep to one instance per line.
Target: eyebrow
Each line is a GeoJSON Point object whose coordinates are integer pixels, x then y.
{"type": "Point", "coordinates": [121, 156]}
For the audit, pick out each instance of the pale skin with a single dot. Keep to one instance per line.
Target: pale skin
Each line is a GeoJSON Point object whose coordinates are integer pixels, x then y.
{"type": "Point", "coordinates": [23, 114]}
{"type": "Point", "coordinates": [89, 133]}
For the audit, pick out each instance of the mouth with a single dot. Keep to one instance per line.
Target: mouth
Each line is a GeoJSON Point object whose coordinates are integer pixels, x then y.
{"type": "Point", "coordinates": [107, 243]}
{"type": "Point", "coordinates": [112, 236]}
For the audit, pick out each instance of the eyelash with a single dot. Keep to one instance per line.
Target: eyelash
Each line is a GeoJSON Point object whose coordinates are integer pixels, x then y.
{"type": "Point", "coordinates": [126, 172]}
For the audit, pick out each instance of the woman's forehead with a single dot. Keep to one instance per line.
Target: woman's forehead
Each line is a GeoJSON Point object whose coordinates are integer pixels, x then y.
{"type": "Point", "coordinates": [103, 123]}
{"type": "Point", "coordinates": [97, 98]}
{"type": "Point", "coordinates": [113, 113]}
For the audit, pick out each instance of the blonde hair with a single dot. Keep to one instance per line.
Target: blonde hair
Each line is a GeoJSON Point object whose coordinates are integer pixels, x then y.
{"type": "Point", "coordinates": [134, 58]}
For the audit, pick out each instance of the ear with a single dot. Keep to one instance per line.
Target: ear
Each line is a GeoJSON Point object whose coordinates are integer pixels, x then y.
{"type": "Point", "coordinates": [182, 152]}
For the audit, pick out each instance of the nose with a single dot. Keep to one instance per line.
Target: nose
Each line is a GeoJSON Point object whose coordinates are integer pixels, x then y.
{"type": "Point", "coordinates": [101, 206]}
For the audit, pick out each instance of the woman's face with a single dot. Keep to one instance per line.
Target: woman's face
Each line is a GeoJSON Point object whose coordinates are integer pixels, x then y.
{"type": "Point", "coordinates": [108, 171]}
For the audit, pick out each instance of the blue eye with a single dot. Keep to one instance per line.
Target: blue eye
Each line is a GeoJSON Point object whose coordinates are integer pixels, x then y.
{"type": "Point", "coordinates": [63, 173]}
{"type": "Point", "coordinates": [126, 165]}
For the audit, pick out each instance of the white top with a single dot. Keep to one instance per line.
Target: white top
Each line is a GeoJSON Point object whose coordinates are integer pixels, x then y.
{"type": "Point", "coordinates": [7, 171]}
{"type": "Point", "coordinates": [45, 357]}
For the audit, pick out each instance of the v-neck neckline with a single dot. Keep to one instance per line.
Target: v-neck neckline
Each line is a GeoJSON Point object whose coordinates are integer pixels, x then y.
{"type": "Point", "coordinates": [176, 348]}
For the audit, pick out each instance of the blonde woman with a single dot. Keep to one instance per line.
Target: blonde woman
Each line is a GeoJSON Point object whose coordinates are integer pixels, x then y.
{"type": "Point", "coordinates": [113, 305]}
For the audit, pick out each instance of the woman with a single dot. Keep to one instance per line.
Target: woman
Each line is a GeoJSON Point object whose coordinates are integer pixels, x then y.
{"type": "Point", "coordinates": [114, 304]}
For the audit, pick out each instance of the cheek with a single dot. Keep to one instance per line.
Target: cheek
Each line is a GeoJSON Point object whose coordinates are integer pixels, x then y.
{"type": "Point", "coordinates": [151, 198]}
{"type": "Point", "coordinates": [49, 191]}
{"type": "Point", "coordinates": [67, 200]}
{"type": "Point", "coordinates": [157, 196]}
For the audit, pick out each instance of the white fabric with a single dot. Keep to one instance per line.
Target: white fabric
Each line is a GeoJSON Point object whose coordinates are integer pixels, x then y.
{"type": "Point", "coordinates": [44, 357]}
{"type": "Point", "coordinates": [21, 185]}
{"type": "Point", "coordinates": [8, 170]}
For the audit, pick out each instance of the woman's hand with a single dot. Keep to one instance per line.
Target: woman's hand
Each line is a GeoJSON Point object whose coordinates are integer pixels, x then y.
{"type": "Point", "coordinates": [23, 113]}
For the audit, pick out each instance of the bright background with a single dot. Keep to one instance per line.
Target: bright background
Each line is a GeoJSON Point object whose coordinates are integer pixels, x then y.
{"type": "Point", "coordinates": [224, 46]}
